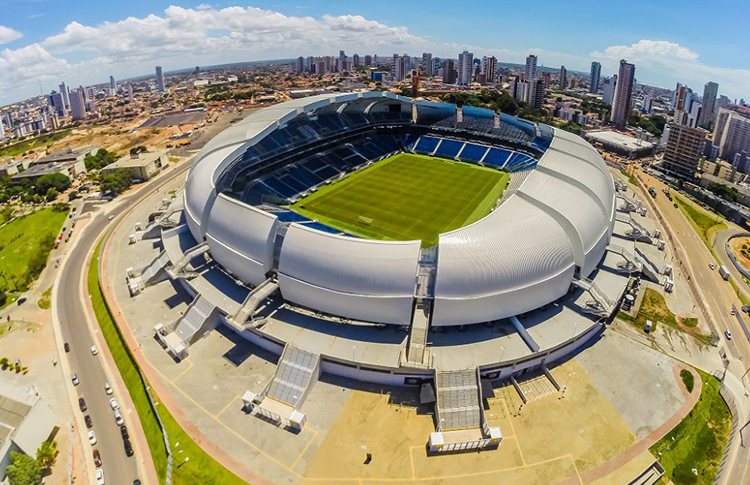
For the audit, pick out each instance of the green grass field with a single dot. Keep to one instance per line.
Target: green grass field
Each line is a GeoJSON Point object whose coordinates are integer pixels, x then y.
{"type": "Point", "coordinates": [407, 197]}
{"type": "Point", "coordinates": [21, 239]}
{"type": "Point", "coordinates": [700, 439]}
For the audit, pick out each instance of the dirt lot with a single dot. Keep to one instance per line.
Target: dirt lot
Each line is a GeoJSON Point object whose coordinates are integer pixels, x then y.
{"type": "Point", "coordinates": [736, 246]}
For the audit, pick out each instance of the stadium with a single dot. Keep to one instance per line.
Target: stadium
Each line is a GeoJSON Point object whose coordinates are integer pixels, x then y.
{"type": "Point", "coordinates": [396, 242]}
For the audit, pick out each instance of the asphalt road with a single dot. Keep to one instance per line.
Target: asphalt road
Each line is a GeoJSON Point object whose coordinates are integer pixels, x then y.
{"type": "Point", "coordinates": [118, 468]}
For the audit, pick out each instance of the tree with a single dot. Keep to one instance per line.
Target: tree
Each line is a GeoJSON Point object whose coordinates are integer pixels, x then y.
{"type": "Point", "coordinates": [116, 182]}
{"type": "Point", "coordinates": [23, 470]}
{"type": "Point", "coordinates": [52, 194]}
{"type": "Point", "coordinates": [99, 160]}
{"type": "Point", "coordinates": [47, 454]}
{"type": "Point", "coordinates": [58, 181]}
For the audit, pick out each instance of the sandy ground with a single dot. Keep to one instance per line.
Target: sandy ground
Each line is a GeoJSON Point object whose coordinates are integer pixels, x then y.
{"type": "Point", "coordinates": [736, 246]}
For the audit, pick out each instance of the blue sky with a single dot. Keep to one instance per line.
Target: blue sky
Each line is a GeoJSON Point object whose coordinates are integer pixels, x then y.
{"type": "Point", "coordinates": [84, 41]}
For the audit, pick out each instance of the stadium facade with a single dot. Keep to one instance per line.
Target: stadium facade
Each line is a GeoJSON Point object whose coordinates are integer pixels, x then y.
{"type": "Point", "coordinates": [526, 285]}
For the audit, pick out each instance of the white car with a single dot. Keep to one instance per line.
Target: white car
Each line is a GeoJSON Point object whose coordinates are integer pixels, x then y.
{"type": "Point", "coordinates": [712, 266]}
{"type": "Point", "coordinates": [110, 217]}
{"type": "Point", "coordinates": [75, 380]}
{"type": "Point", "coordinates": [92, 437]}
{"type": "Point", "coordinates": [99, 476]}
{"type": "Point", "coordinates": [728, 334]}
{"type": "Point", "coordinates": [93, 350]}
{"type": "Point", "coordinates": [113, 403]}
{"type": "Point", "coordinates": [107, 389]}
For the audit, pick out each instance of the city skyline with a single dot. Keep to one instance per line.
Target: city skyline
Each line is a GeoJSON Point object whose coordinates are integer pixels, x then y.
{"type": "Point", "coordinates": [61, 47]}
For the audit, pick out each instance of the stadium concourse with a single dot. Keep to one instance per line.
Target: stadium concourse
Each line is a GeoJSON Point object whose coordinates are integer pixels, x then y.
{"type": "Point", "coordinates": [510, 287]}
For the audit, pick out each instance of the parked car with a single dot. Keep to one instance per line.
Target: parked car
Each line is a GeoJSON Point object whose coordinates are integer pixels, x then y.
{"type": "Point", "coordinates": [94, 351]}
{"type": "Point", "coordinates": [124, 432]}
{"type": "Point", "coordinates": [97, 458]}
{"type": "Point", "coordinates": [22, 300]}
{"type": "Point", "coordinates": [75, 380]}
{"type": "Point", "coordinates": [82, 404]}
{"type": "Point", "coordinates": [728, 334]}
{"type": "Point", "coordinates": [99, 477]}
{"type": "Point", "coordinates": [107, 388]}
{"type": "Point", "coordinates": [88, 421]}
{"type": "Point", "coordinates": [712, 266]}
{"type": "Point", "coordinates": [128, 448]}
{"type": "Point", "coordinates": [92, 437]}
{"type": "Point", "coordinates": [113, 403]}
{"type": "Point", "coordinates": [66, 346]}
{"type": "Point", "coordinates": [118, 418]}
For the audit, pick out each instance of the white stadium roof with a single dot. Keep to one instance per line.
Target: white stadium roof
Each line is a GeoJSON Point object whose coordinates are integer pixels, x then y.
{"type": "Point", "coordinates": [522, 256]}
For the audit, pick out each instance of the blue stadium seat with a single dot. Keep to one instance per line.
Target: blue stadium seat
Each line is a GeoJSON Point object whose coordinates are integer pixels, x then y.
{"type": "Point", "coordinates": [449, 148]}
{"type": "Point", "coordinates": [496, 157]}
{"type": "Point", "coordinates": [473, 152]}
{"type": "Point", "coordinates": [427, 144]}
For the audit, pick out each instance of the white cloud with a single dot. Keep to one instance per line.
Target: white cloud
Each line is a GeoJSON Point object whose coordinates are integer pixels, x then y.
{"type": "Point", "coordinates": [666, 63]}
{"type": "Point", "coordinates": [8, 35]}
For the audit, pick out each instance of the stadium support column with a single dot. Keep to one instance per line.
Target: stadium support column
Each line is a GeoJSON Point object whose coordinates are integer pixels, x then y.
{"type": "Point", "coordinates": [533, 346]}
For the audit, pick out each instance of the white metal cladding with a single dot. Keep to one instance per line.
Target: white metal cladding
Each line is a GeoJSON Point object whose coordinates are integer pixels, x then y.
{"type": "Point", "coordinates": [486, 308]}
{"type": "Point", "coordinates": [241, 238]}
{"type": "Point", "coordinates": [380, 309]}
{"type": "Point", "coordinates": [349, 265]}
{"type": "Point", "coordinates": [510, 261]}
{"type": "Point", "coordinates": [587, 174]}
{"type": "Point", "coordinates": [585, 216]}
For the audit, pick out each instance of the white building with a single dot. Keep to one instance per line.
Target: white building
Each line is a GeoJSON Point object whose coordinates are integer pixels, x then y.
{"type": "Point", "coordinates": [465, 67]}
{"type": "Point", "coordinates": [609, 84]}
{"type": "Point", "coordinates": [77, 105]}
{"type": "Point", "coordinates": [530, 71]}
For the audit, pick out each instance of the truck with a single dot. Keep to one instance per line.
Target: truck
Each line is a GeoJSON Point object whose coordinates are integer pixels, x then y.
{"type": "Point", "coordinates": [724, 272]}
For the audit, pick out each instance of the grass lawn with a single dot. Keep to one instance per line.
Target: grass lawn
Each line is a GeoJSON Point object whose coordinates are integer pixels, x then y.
{"type": "Point", "coordinates": [32, 144]}
{"type": "Point", "coordinates": [407, 197]}
{"type": "Point", "coordinates": [655, 308]}
{"type": "Point", "coordinates": [202, 468]}
{"type": "Point", "coordinates": [699, 441]}
{"type": "Point", "coordinates": [20, 239]}
{"type": "Point", "coordinates": [704, 223]}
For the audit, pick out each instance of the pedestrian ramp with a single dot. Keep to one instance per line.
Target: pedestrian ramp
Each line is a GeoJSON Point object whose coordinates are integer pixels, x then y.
{"type": "Point", "coordinates": [459, 413]}
{"type": "Point", "coordinates": [281, 400]}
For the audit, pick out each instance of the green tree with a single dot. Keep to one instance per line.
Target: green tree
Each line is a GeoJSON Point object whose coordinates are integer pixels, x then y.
{"type": "Point", "coordinates": [58, 181]}
{"type": "Point", "coordinates": [23, 470]}
{"type": "Point", "coordinates": [51, 194]}
{"type": "Point", "coordinates": [117, 182]}
{"type": "Point", "coordinates": [47, 454]}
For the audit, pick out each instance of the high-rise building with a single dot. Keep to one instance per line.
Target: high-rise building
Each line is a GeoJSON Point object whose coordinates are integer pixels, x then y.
{"type": "Point", "coordinates": [732, 131]}
{"type": "Point", "coordinates": [546, 78]}
{"type": "Point", "coordinates": [710, 92]}
{"type": "Point", "coordinates": [623, 94]}
{"type": "Point", "coordinates": [530, 71]}
{"type": "Point", "coordinates": [65, 94]}
{"type": "Point", "coordinates": [683, 150]}
{"type": "Point", "coordinates": [465, 67]}
{"type": "Point", "coordinates": [368, 60]}
{"type": "Point", "coordinates": [77, 105]}
{"type": "Point", "coordinates": [608, 89]}
{"type": "Point", "coordinates": [356, 60]}
{"type": "Point", "coordinates": [449, 71]}
{"type": "Point", "coordinates": [55, 100]}
{"type": "Point", "coordinates": [131, 97]}
{"type": "Point", "coordinates": [299, 65]}
{"type": "Point", "coordinates": [596, 73]}
{"type": "Point", "coordinates": [428, 67]}
{"type": "Point", "coordinates": [563, 81]}
{"type": "Point", "coordinates": [518, 89]}
{"type": "Point", "coordinates": [535, 93]}
{"type": "Point", "coordinates": [399, 69]}
{"type": "Point", "coordinates": [309, 63]}
{"type": "Point", "coordinates": [112, 85]}
{"type": "Point", "coordinates": [160, 86]}
{"type": "Point", "coordinates": [489, 69]}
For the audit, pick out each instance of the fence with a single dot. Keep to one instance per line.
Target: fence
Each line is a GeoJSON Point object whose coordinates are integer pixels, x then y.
{"type": "Point", "coordinates": [729, 400]}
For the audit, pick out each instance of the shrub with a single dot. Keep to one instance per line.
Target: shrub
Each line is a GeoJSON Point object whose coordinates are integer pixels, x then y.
{"type": "Point", "coordinates": [688, 379]}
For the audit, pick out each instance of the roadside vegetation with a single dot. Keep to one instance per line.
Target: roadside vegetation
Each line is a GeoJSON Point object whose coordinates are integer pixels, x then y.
{"type": "Point", "coordinates": [692, 452]}
{"type": "Point", "coordinates": [688, 379]}
{"type": "Point", "coordinates": [201, 469]}
{"type": "Point", "coordinates": [704, 223]}
{"type": "Point", "coordinates": [44, 301]}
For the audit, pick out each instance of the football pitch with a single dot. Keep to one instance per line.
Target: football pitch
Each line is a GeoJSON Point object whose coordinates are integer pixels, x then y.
{"type": "Point", "coordinates": [407, 197]}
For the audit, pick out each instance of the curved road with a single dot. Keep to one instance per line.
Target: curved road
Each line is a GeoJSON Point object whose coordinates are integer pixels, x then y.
{"type": "Point", "coordinates": [73, 317]}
